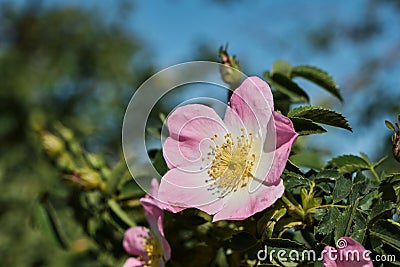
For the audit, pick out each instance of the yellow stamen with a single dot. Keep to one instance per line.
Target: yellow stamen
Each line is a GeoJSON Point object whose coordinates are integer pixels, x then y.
{"type": "Point", "coordinates": [232, 163]}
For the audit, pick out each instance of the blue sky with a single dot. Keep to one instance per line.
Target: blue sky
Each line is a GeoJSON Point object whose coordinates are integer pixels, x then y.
{"type": "Point", "coordinates": [260, 32]}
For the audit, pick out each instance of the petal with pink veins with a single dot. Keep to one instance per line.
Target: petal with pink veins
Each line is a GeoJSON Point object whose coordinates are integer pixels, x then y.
{"type": "Point", "coordinates": [243, 204]}
{"type": "Point", "coordinates": [185, 189]}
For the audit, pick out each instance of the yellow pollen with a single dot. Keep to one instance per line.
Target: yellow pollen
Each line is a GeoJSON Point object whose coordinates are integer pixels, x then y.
{"type": "Point", "coordinates": [232, 163]}
{"type": "Point", "coordinates": [152, 251]}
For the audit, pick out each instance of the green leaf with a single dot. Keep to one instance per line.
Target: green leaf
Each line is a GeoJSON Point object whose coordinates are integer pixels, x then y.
{"type": "Point", "coordinates": [45, 219]}
{"type": "Point", "coordinates": [293, 180]}
{"type": "Point", "coordinates": [342, 224]}
{"type": "Point", "coordinates": [243, 241]}
{"type": "Point", "coordinates": [388, 231]}
{"type": "Point", "coordinates": [319, 77]}
{"type": "Point", "coordinates": [118, 173]}
{"type": "Point", "coordinates": [159, 163]}
{"type": "Point", "coordinates": [118, 211]}
{"type": "Point", "coordinates": [327, 224]}
{"type": "Point", "coordinates": [192, 221]}
{"type": "Point", "coordinates": [328, 175]}
{"type": "Point", "coordinates": [306, 127]}
{"type": "Point", "coordinates": [292, 168]}
{"type": "Point", "coordinates": [378, 210]}
{"type": "Point", "coordinates": [359, 188]}
{"type": "Point", "coordinates": [130, 190]}
{"type": "Point", "coordinates": [342, 189]}
{"type": "Point", "coordinates": [349, 163]}
{"type": "Point", "coordinates": [286, 86]}
{"type": "Point", "coordinates": [282, 67]}
{"type": "Point", "coordinates": [320, 115]}
{"type": "Point", "coordinates": [266, 224]}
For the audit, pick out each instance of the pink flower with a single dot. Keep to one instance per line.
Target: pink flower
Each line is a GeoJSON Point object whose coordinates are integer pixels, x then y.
{"type": "Point", "coordinates": [231, 167]}
{"type": "Point", "coordinates": [349, 253]}
{"type": "Point", "coordinates": [149, 245]}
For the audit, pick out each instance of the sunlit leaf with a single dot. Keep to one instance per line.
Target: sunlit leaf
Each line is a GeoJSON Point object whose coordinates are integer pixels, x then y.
{"type": "Point", "coordinates": [320, 115]}
{"type": "Point", "coordinates": [319, 77]}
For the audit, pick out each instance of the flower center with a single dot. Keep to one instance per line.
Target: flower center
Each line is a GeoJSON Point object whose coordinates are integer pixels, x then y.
{"type": "Point", "coordinates": [153, 252]}
{"type": "Point", "coordinates": [232, 163]}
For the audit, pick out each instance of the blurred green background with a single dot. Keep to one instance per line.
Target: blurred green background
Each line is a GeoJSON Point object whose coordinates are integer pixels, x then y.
{"type": "Point", "coordinates": [80, 63]}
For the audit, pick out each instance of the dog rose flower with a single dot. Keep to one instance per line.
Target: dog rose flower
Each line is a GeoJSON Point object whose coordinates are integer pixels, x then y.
{"type": "Point", "coordinates": [230, 167]}
{"type": "Point", "coordinates": [349, 253]}
{"type": "Point", "coordinates": [149, 245]}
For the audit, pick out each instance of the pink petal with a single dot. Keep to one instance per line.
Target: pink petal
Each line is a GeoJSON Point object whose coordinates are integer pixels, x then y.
{"type": "Point", "coordinates": [152, 212]}
{"type": "Point", "coordinates": [185, 189]}
{"type": "Point", "coordinates": [327, 261]}
{"type": "Point", "coordinates": [133, 262]}
{"type": "Point", "coordinates": [353, 245]}
{"type": "Point", "coordinates": [165, 244]}
{"type": "Point", "coordinates": [285, 137]}
{"type": "Point", "coordinates": [253, 102]}
{"type": "Point", "coordinates": [243, 204]}
{"type": "Point", "coordinates": [190, 125]}
{"type": "Point", "coordinates": [134, 239]}
{"type": "Point", "coordinates": [151, 199]}
{"type": "Point", "coordinates": [343, 257]}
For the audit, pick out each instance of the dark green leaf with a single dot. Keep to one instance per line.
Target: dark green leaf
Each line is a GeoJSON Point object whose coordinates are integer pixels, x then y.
{"type": "Point", "coordinates": [116, 208]}
{"type": "Point", "coordinates": [319, 77]}
{"type": "Point", "coordinates": [306, 127]}
{"type": "Point", "coordinates": [358, 189]}
{"type": "Point", "coordinates": [342, 224]}
{"type": "Point", "coordinates": [349, 163]}
{"type": "Point", "coordinates": [327, 224]}
{"type": "Point", "coordinates": [286, 86]}
{"type": "Point", "coordinates": [342, 189]}
{"type": "Point", "coordinates": [192, 220]}
{"type": "Point", "coordinates": [292, 168]}
{"type": "Point", "coordinates": [282, 67]}
{"type": "Point", "coordinates": [324, 187]}
{"type": "Point", "coordinates": [45, 219]}
{"type": "Point", "coordinates": [320, 115]}
{"type": "Point", "coordinates": [293, 182]}
{"type": "Point", "coordinates": [378, 209]}
{"type": "Point", "coordinates": [130, 190]}
{"type": "Point", "coordinates": [328, 175]}
{"type": "Point", "coordinates": [243, 241]}
{"type": "Point", "coordinates": [159, 163]}
{"type": "Point", "coordinates": [388, 231]}
{"type": "Point", "coordinates": [117, 174]}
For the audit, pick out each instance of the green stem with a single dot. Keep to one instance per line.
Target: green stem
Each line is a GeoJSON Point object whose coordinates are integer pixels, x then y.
{"type": "Point", "coordinates": [296, 208]}
{"type": "Point", "coordinates": [377, 178]}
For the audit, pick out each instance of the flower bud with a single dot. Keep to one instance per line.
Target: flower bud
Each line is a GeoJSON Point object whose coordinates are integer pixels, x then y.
{"type": "Point", "coordinates": [52, 144]}
{"type": "Point", "coordinates": [230, 72]}
{"type": "Point", "coordinates": [85, 177]}
{"type": "Point", "coordinates": [395, 138]}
